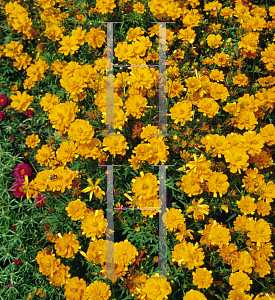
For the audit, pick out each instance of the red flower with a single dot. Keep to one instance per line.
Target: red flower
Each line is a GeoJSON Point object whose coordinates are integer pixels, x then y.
{"type": "Point", "coordinates": [17, 261]}
{"type": "Point", "coordinates": [13, 227]}
{"type": "Point", "coordinates": [1, 115]}
{"type": "Point", "coordinates": [29, 113]}
{"type": "Point", "coordinates": [11, 139]}
{"type": "Point", "coordinates": [40, 200]}
{"type": "Point", "coordinates": [17, 188]}
{"type": "Point", "coordinates": [3, 100]}
{"type": "Point", "coordinates": [21, 170]}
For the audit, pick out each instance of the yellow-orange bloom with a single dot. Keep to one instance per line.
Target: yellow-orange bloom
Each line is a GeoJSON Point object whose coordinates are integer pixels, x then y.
{"type": "Point", "coordinates": [66, 245]}
{"type": "Point", "coordinates": [199, 209]}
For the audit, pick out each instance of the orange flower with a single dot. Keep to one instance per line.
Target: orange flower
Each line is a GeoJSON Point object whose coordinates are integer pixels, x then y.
{"type": "Point", "coordinates": [75, 288]}
{"type": "Point", "coordinates": [94, 188]}
{"type": "Point", "coordinates": [32, 140]}
{"type": "Point", "coordinates": [188, 255]}
{"type": "Point", "coordinates": [139, 8]}
{"type": "Point", "coordinates": [202, 278]}
{"type": "Point", "coordinates": [182, 235]}
{"type": "Point", "coordinates": [76, 210]}
{"type": "Point", "coordinates": [115, 144]}
{"type": "Point", "coordinates": [69, 45]}
{"type": "Point", "coordinates": [94, 224]}
{"type": "Point", "coordinates": [259, 231]}
{"type": "Point", "coordinates": [199, 209]}
{"type": "Point", "coordinates": [182, 112]}
{"type": "Point", "coordinates": [217, 183]}
{"type": "Point", "coordinates": [214, 41]}
{"type": "Point", "coordinates": [240, 280]}
{"type": "Point", "coordinates": [247, 205]}
{"type": "Point", "coordinates": [217, 75]}
{"type": "Point", "coordinates": [145, 186]}
{"type": "Point", "coordinates": [20, 101]}
{"type": "Point", "coordinates": [209, 107]}
{"type": "Point", "coordinates": [240, 80]}
{"type": "Point", "coordinates": [237, 159]}
{"type": "Point", "coordinates": [173, 218]}
{"type": "Point", "coordinates": [67, 245]}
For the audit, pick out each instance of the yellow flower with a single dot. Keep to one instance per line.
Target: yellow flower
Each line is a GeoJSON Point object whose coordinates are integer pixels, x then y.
{"type": "Point", "coordinates": [263, 208]}
{"type": "Point", "coordinates": [69, 45]}
{"type": "Point", "coordinates": [240, 80]}
{"type": "Point", "coordinates": [217, 183]}
{"type": "Point", "coordinates": [20, 101]}
{"type": "Point", "coordinates": [44, 155]}
{"type": "Point", "coordinates": [96, 252]}
{"type": "Point", "coordinates": [188, 255]}
{"type": "Point", "coordinates": [60, 276]}
{"type": "Point", "coordinates": [202, 278]}
{"type": "Point", "coordinates": [139, 8]}
{"type": "Point", "coordinates": [219, 236]}
{"type": "Point", "coordinates": [247, 205]}
{"type": "Point", "coordinates": [193, 294]}
{"type": "Point", "coordinates": [66, 152]}
{"type": "Point", "coordinates": [214, 41]}
{"type": "Point", "coordinates": [81, 131]}
{"type": "Point", "coordinates": [141, 78]}
{"type": "Point", "coordinates": [66, 245]}
{"type": "Point", "coordinates": [145, 186]}
{"type": "Point", "coordinates": [135, 105]}
{"type": "Point", "coordinates": [156, 289]}
{"type": "Point", "coordinates": [182, 235]}
{"type": "Point", "coordinates": [240, 280]}
{"type": "Point", "coordinates": [209, 107]}
{"type": "Point", "coordinates": [22, 61]}
{"type": "Point", "coordinates": [237, 294]}
{"type": "Point", "coordinates": [182, 112]}
{"type": "Point", "coordinates": [115, 144]}
{"type": "Point", "coordinates": [27, 187]}
{"type": "Point", "coordinates": [48, 101]}
{"type": "Point", "coordinates": [173, 218]}
{"type": "Point", "coordinates": [47, 263]}
{"type": "Point", "coordinates": [259, 231]}
{"type": "Point", "coordinates": [75, 288]}
{"type": "Point", "coordinates": [217, 75]}
{"type": "Point", "coordinates": [199, 209]}
{"type": "Point", "coordinates": [95, 37]}
{"type": "Point", "coordinates": [94, 224]}
{"type": "Point", "coordinates": [94, 188]}
{"type": "Point", "coordinates": [98, 290]}
{"type": "Point", "coordinates": [76, 209]}
{"type": "Point", "coordinates": [187, 34]}
{"type": "Point", "coordinates": [237, 159]}
{"type": "Point", "coordinates": [32, 140]}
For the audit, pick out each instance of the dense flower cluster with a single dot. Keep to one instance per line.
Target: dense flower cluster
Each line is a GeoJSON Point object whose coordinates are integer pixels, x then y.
{"type": "Point", "coordinates": [217, 107]}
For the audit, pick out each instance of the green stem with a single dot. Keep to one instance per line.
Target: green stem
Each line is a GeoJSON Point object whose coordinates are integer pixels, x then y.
{"type": "Point", "coordinates": [33, 165]}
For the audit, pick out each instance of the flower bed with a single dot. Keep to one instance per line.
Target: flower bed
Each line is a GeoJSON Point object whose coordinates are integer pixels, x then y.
{"type": "Point", "coordinates": [126, 181]}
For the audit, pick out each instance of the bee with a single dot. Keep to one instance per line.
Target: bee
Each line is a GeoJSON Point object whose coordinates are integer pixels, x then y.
{"type": "Point", "coordinates": [52, 177]}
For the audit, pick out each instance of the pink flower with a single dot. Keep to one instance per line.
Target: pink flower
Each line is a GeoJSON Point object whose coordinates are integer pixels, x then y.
{"type": "Point", "coordinates": [3, 100]}
{"type": "Point", "coordinates": [10, 286]}
{"type": "Point", "coordinates": [1, 115]}
{"type": "Point", "coordinates": [29, 113]}
{"type": "Point", "coordinates": [17, 188]}
{"type": "Point", "coordinates": [40, 200]}
{"type": "Point", "coordinates": [21, 170]}
{"type": "Point", "coordinates": [16, 261]}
